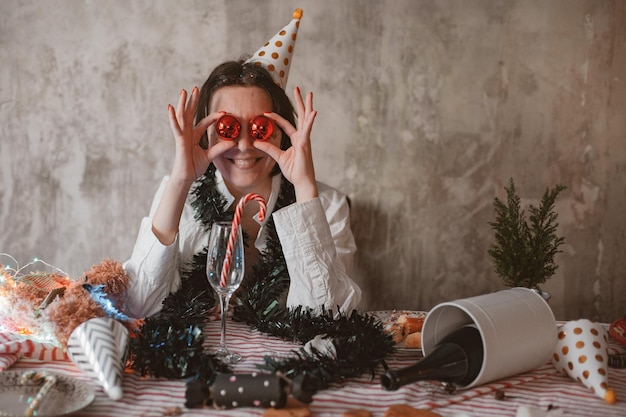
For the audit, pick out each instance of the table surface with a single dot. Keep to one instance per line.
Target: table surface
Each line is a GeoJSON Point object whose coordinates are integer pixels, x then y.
{"type": "Point", "coordinates": [541, 388]}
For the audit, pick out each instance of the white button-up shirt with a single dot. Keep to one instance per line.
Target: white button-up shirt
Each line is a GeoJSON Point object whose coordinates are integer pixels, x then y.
{"type": "Point", "coordinates": [315, 236]}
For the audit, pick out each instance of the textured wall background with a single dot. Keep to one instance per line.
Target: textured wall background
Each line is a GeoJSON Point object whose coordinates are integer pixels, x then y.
{"type": "Point", "coordinates": [426, 109]}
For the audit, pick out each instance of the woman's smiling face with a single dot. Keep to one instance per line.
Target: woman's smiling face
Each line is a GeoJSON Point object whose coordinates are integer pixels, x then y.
{"type": "Point", "coordinates": [245, 168]}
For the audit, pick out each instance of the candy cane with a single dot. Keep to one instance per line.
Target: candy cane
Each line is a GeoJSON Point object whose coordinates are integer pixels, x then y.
{"type": "Point", "coordinates": [233, 233]}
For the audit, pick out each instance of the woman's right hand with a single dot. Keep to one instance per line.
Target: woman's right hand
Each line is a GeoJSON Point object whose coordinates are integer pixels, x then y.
{"type": "Point", "coordinates": [190, 159]}
{"type": "Point", "coordinates": [190, 162]}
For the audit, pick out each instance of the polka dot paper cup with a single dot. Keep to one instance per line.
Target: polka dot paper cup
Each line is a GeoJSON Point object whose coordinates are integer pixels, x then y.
{"type": "Point", "coordinates": [582, 353]}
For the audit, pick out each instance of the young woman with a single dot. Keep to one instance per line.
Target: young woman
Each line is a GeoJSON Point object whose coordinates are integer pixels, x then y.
{"type": "Point", "coordinates": [310, 220]}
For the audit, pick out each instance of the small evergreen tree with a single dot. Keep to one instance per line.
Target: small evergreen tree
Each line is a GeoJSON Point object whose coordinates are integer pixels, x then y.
{"type": "Point", "coordinates": [523, 254]}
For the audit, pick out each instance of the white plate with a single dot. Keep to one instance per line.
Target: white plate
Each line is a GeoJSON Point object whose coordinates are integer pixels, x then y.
{"type": "Point", "coordinates": [67, 396]}
{"type": "Point", "coordinates": [389, 316]}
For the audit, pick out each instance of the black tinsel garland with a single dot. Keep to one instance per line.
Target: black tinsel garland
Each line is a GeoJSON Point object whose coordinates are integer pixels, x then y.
{"type": "Point", "coordinates": [170, 343]}
{"type": "Point", "coordinates": [359, 341]}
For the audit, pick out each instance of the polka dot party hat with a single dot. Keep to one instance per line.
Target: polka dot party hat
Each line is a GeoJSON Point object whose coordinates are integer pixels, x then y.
{"type": "Point", "coordinates": [276, 54]}
{"type": "Point", "coordinates": [582, 353]}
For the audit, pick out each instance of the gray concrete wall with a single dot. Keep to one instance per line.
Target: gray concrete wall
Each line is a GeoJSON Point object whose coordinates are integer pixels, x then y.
{"type": "Point", "coordinates": [426, 109]}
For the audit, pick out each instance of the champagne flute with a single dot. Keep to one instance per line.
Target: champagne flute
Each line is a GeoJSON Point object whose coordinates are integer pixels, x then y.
{"type": "Point", "coordinates": [225, 285]}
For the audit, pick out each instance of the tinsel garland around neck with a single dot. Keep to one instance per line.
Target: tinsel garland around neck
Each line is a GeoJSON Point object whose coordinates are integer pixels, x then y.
{"type": "Point", "coordinates": [171, 343]}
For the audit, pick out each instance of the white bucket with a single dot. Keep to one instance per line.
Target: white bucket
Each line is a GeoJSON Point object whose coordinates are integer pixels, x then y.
{"type": "Point", "coordinates": [517, 327]}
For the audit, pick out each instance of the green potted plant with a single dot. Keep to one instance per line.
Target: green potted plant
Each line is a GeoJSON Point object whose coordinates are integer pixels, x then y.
{"type": "Point", "coordinates": [524, 248]}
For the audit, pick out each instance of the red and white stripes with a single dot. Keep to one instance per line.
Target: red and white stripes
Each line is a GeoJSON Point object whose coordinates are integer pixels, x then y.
{"type": "Point", "coordinates": [540, 388]}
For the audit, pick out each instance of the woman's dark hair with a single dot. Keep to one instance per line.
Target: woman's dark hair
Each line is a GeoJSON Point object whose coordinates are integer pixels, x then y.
{"type": "Point", "coordinates": [233, 73]}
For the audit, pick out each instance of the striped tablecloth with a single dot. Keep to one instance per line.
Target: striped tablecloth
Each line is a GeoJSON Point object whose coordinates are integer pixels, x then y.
{"type": "Point", "coordinates": [540, 389]}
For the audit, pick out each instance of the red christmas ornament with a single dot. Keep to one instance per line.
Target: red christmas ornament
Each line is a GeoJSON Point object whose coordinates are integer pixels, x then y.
{"type": "Point", "coordinates": [228, 127]}
{"type": "Point", "coordinates": [617, 329]}
{"type": "Point", "coordinates": [261, 128]}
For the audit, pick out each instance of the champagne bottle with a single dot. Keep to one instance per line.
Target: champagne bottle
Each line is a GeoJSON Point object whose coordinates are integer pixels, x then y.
{"type": "Point", "coordinates": [457, 359]}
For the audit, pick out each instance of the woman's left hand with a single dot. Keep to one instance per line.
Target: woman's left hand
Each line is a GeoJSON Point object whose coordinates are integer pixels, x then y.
{"type": "Point", "coordinates": [296, 163]}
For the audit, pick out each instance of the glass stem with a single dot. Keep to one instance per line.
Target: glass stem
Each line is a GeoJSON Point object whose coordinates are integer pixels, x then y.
{"type": "Point", "coordinates": [224, 301]}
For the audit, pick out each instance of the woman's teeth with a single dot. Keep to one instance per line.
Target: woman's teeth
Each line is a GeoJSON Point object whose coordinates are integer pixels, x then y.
{"type": "Point", "coordinates": [244, 163]}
